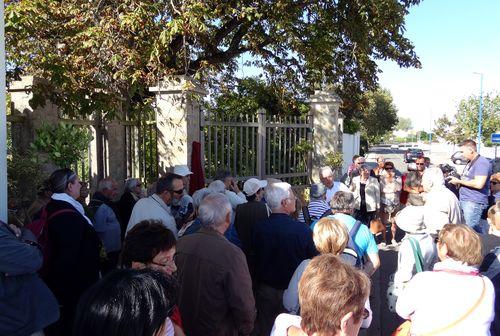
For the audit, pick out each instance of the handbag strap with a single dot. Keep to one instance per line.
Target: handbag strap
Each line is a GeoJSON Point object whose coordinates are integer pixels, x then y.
{"type": "Point", "coordinates": [463, 317]}
{"type": "Point", "coordinates": [417, 254]}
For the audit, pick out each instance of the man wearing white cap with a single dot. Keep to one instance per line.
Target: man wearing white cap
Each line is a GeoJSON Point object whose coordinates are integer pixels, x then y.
{"type": "Point", "coordinates": [247, 214]}
{"type": "Point", "coordinates": [182, 208]}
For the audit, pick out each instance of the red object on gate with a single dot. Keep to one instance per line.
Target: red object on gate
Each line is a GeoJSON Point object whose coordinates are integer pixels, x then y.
{"type": "Point", "coordinates": [197, 179]}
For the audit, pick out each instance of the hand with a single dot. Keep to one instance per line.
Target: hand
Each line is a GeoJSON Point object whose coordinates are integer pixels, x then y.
{"type": "Point", "coordinates": [17, 230]}
{"type": "Point", "coordinates": [453, 180]}
{"type": "Point", "coordinates": [234, 186]}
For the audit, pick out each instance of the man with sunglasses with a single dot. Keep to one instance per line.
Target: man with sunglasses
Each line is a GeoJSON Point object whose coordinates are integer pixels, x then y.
{"type": "Point", "coordinates": [413, 183]}
{"type": "Point", "coordinates": [157, 206]}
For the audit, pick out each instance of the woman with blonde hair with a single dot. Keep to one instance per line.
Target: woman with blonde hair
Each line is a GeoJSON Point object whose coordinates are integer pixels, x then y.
{"type": "Point", "coordinates": [332, 297]}
{"type": "Point", "coordinates": [454, 299]}
{"type": "Point", "coordinates": [329, 236]}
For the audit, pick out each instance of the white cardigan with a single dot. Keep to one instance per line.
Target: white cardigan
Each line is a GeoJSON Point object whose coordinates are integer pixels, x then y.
{"type": "Point", "coordinates": [436, 299]}
{"type": "Point", "coordinates": [372, 193]}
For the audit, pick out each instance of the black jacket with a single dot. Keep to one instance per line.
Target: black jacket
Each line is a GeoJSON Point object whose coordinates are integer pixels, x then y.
{"type": "Point", "coordinates": [73, 265]}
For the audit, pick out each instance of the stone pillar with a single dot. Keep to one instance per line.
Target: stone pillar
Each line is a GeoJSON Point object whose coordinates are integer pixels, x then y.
{"type": "Point", "coordinates": [177, 119]}
{"type": "Point", "coordinates": [325, 110]}
{"type": "Point", "coordinates": [26, 119]}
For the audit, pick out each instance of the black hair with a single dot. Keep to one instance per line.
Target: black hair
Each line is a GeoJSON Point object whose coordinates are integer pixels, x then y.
{"type": "Point", "coordinates": [355, 157]}
{"type": "Point", "coordinates": [166, 183]}
{"type": "Point", "coordinates": [59, 180]}
{"type": "Point", "coordinates": [126, 302]}
{"type": "Point", "coordinates": [144, 241]}
{"type": "Point", "coordinates": [222, 174]}
{"type": "Point", "coordinates": [252, 198]}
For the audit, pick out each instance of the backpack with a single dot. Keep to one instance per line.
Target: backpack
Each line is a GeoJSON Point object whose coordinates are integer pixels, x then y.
{"type": "Point", "coordinates": [40, 229]}
{"type": "Point", "coordinates": [351, 253]}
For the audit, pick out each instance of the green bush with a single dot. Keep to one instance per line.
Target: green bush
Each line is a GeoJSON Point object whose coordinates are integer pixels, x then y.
{"type": "Point", "coordinates": [64, 144]}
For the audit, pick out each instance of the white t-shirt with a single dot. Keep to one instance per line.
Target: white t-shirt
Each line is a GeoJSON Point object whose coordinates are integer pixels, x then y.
{"type": "Point", "coordinates": [283, 322]}
{"type": "Point", "coordinates": [337, 186]}
{"type": "Point", "coordinates": [434, 300]}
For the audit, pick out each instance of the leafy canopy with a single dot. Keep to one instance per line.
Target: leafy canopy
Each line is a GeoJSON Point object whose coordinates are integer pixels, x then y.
{"type": "Point", "coordinates": [466, 120]}
{"type": "Point", "coordinates": [101, 55]}
{"type": "Point", "coordinates": [380, 115]}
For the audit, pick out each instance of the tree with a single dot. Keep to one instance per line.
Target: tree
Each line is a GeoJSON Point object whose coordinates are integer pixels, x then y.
{"type": "Point", "coordinates": [380, 116]}
{"type": "Point", "coordinates": [103, 55]}
{"type": "Point", "coordinates": [404, 124]}
{"type": "Point", "coordinates": [250, 94]}
{"type": "Point", "coordinates": [466, 120]}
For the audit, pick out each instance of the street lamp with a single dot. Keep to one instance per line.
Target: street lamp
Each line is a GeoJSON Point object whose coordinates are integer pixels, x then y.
{"type": "Point", "coordinates": [480, 121]}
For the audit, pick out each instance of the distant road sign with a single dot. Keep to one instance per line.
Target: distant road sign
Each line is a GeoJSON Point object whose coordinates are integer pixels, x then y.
{"type": "Point", "coordinates": [495, 137]}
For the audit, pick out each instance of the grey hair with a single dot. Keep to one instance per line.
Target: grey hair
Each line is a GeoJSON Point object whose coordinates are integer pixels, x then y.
{"type": "Point", "coordinates": [342, 201]}
{"type": "Point", "coordinates": [198, 196]}
{"type": "Point", "coordinates": [432, 177]}
{"type": "Point", "coordinates": [105, 183]}
{"type": "Point", "coordinates": [277, 192]}
{"type": "Point", "coordinates": [326, 171]}
{"type": "Point", "coordinates": [213, 210]}
{"type": "Point", "coordinates": [131, 183]}
{"type": "Point", "coordinates": [217, 186]}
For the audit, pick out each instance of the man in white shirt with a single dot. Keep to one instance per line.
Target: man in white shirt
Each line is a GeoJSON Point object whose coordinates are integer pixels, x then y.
{"type": "Point", "coordinates": [326, 177]}
{"type": "Point", "coordinates": [233, 193]}
{"type": "Point", "coordinates": [157, 206]}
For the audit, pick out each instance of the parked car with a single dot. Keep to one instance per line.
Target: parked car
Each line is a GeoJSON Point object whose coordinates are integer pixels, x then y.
{"type": "Point", "coordinates": [412, 154]}
{"type": "Point", "coordinates": [395, 146]}
{"type": "Point", "coordinates": [458, 158]}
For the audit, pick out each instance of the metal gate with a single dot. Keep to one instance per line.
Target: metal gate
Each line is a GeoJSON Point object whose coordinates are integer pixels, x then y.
{"type": "Point", "coordinates": [258, 146]}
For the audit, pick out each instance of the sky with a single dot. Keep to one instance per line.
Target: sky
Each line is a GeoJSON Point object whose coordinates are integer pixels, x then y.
{"type": "Point", "coordinates": [453, 39]}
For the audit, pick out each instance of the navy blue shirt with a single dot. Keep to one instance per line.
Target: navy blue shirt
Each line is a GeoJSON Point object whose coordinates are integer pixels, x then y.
{"type": "Point", "coordinates": [281, 243]}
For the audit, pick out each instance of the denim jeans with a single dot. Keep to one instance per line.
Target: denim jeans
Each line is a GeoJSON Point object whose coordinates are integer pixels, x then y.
{"type": "Point", "coordinates": [472, 214]}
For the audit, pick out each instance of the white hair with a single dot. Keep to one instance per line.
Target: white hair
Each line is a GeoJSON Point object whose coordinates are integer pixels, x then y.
{"type": "Point", "coordinates": [131, 183]}
{"type": "Point", "coordinates": [325, 171]}
{"type": "Point", "coordinates": [106, 183]}
{"type": "Point", "coordinates": [217, 186]}
{"type": "Point", "coordinates": [198, 196]}
{"type": "Point", "coordinates": [433, 177]}
{"type": "Point", "coordinates": [276, 193]}
{"type": "Point", "coordinates": [213, 210]}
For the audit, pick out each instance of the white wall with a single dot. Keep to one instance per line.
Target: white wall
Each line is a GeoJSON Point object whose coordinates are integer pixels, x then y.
{"type": "Point", "coordinates": [350, 147]}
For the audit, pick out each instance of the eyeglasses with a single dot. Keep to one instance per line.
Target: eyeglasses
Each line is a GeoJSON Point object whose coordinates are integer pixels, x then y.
{"type": "Point", "coordinates": [169, 263]}
{"type": "Point", "coordinates": [389, 168]}
{"type": "Point", "coordinates": [360, 163]}
{"type": "Point", "coordinates": [420, 164]}
{"type": "Point", "coordinates": [494, 182]}
{"type": "Point", "coordinates": [180, 191]}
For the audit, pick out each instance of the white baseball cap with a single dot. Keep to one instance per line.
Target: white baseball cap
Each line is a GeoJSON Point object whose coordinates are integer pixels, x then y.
{"type": "Point", "coordinates": [253, 185]}
{"type": "Point", "coordinates": [182, 170]}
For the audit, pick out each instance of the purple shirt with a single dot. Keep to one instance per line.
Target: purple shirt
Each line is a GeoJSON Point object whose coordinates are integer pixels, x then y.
{"type": "Point", "coordinates": [481, 167]}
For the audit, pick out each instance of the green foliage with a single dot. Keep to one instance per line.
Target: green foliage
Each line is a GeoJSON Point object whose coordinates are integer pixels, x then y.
{"type": "Point", "coordinates": [467, 119]}
{"type": "Point", "coordinates": [334, 160]}
{"type": "Point", "coordinates": [351, 126]}
{"type": "Point", "coordinates": [64, 144]}
{"type": "Point", "coordinates": [446, 130]}
{"type": "Point", "coordinates": [404, 124]}
{"type": "Point", "coordinates": [25, 174]}
{"type": "Point", "coordinates": [250, 94]}
{"type": "Point", "coordinates": [380, 115]}
{"type": "Point", "coordinates": [100, 56]}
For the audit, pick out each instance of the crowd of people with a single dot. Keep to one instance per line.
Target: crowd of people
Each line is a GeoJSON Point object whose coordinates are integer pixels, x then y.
{"type": "Point", "coordinates": [255, 259]}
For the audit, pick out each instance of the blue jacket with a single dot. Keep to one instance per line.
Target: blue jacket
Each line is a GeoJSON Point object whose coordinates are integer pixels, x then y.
{"type": "Point", "coordinates": [26, 303]}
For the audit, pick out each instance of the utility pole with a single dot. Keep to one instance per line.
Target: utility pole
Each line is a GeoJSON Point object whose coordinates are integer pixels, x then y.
{"type": "Point", "coordinates": [480, 117]}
